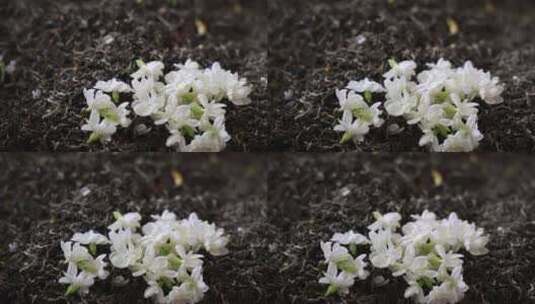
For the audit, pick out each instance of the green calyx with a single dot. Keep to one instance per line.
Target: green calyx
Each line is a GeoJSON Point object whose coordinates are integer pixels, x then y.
{"type": "Point", "coordinates": [368, 96]}
{"type": "Point", "coordinates": [93, 248]}
{"type": "Point", "coordinates": [363, 114]}
{"type": "Point", "coordinates": [189, 97]}
{"type": "Point", "coordinates": [427, 248]}
{"type": "Point", "coordinates": [166, 249]}
{"type": "Point", "coordinates": [376, 215]}
{"type": "Point", "coordinates": [166, 284]}
{"type": "Point", "coordinates": [140, 63]}
{"type": "Point", "coordinates": [392, 62]}
{"type": "Point", "coordinates": [347, 137]}
{"type": "Point", "coordinates": [441, 97]}
{"type": "Point", "coordinates": [174, 261]}
{"type": "Point", "coordinates": [197, 110]}
{"type": "Point", "coordinates": [449, 110]}
{"type": "Point", "coordinates": [71, 290]}
{"type": "Point", "coordinates": [353, 249]}
{"type": "Point", "coordinates": [115, 96]}
{"type": "Point", "coordinates": [434, 260]}
{"type": "Point", "coordinates": [117, 215]}
{"type": "Point", "coordinates": [109, 114]}
{"type": "Point", "coordinates": [441, 130]}
{"type": "Point", "coordinates": [94, 137]}
{"type": "Point", "coordinates": [425, 282]}
{"type": "Point", "coordinates": [331, 290]}
{"type": "Point", "coordinates": [347, 266]}
{"type": "Point", "coordinates": [188, 131]}
{"type": "Point", "coordinates": [87, 266]}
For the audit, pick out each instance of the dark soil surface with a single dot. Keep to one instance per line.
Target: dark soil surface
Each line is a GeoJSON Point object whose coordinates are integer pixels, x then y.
{"type": "Point", "coordinates": [311, 197]}
{"type": "Point", "coordinates": [42, 202]}
{"type": "Point", "coordinates": [59, 47]}
{"type": "Point", "coordinates": [313, 49]}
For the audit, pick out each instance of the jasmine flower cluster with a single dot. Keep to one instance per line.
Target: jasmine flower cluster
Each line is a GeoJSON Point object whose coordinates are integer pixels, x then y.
{"type": "Point", "coordinates": [188, 101]}
{"type": "Point", "coordinates": [342, 267]}
{"type": "Point", "coordinates": [439, 100]}
{"type": "Point", "coordinates": [357, 115]}
{"type": "Point", "coordinates": [83, 268]}
{"type": "Point", "coordinates": [164, 252]}
{"type": "Point", "coordinates": [425, 253]}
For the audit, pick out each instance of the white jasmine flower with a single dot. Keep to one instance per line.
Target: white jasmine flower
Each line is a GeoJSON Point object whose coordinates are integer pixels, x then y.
{"type": "Point", "coordinates": [238, 91]}
{"type": "Point", "coordinates": [147, 99]}
{"type": "Point", "coordinates": [465, 139]}
{"type": "Point", "coordinates": [189, 260]}
{"type": "Point", "coordinates": [78, 282]}
{"type": "Point", "coordinates": [191, 291]}
{"type": "Point", "coordinates": [415, 291]}
{"type": "Point", "coordinates": [95, 267]}
{"type": "Point", "coordinates": [404, 69]}
{"type": "Point", "coordinates": [350, 237]}
{"type": "Point", "coordinates": [452, 290]}
{"type": "Point", "coordinates": [90, 237]}
{"type": "Point", "coordinates": [215, 243]}
{"type": "Point", "coordinates": [353, 105]}
{"type": "Point", "coordinates": [155, 291]}
{"type": "Point", "coordinates": [113, 85]}
{"type": "Point", "coordinates": [74, 252]}
{"type": "Point", "coordinates": [176, 139]}
{"type": "Point", "coordinates": [153, 268]}
{"type": "Point", "coordinates": [334, 253]}
{"type": "Point", "coordinates": [463, 108]}
{"type": "Point", "coordinates": [102, 130]}
{"type": "Point", "coordinates": [349, 100]}
{"type": "Point", "coordinates": [441, 65]}
{"type": "Point", "coordinates": [365, 85]}
{"type": "Point", "coordinates": [430, 139]}
{"type": "Point", "coordinates": [475, 241]}
{"type": "Point", "coordinates": [153, 69]}
{"type": "Point", "coordinates": [389, 221]}
{"type": "Point", "coordinates": [211, 109]}
{"type": "Point", "coordinates": [359, 267]}
{"type": "Point", "coordinates": [97, 100]}
{"type": "Point", "coordinates": [355, 130]}
{"type": "Point", "coordinates": [490, 90]}
{"type": "Point", "coordinates": [448, 260]}
{"type": "Point", "coordinates": [400, 98]}
{"type": "Point", "coordinates": [124, 252]}
{"type": "Point", "coordinates": [338, 282]}
{"type": "Point", "coordinates": [122, 114]}
{"type": "Point", "coordinates": [213, 139]}
{"type": "Point", "coordinates": [384, 251]}
{"type": "Point", "coordinates": [129, 221]}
